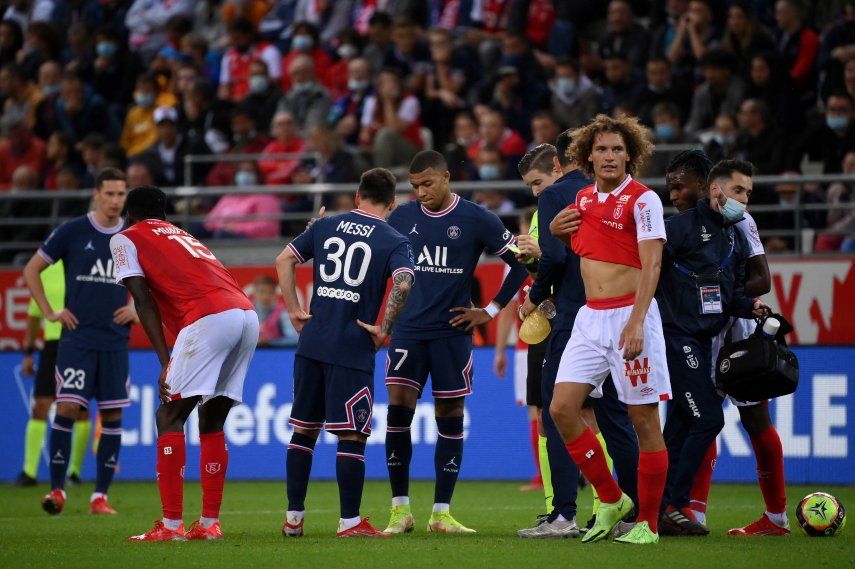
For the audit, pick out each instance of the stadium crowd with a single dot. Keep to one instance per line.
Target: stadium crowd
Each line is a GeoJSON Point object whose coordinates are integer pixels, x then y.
{"type": "Point", "coordinates": [351, 84]}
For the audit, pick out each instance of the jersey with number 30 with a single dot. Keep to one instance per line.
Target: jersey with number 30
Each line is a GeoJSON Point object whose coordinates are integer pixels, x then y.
{"type": "Point", "coordinates": [184, 277]}
{"type": "Point", "coordinates": [355, 254]}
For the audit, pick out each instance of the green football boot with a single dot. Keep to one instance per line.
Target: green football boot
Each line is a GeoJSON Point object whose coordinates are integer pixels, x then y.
{"type": "Point", "coordinates": [608, 517]}
{"type": "Point", "coordinates": [639, 535]}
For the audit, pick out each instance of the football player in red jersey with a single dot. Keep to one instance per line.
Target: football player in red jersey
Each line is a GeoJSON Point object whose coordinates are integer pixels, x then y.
{"type": "Point", "coordinates": [620, 240]}
{"type": "Point", "coordinates": [177, 283]}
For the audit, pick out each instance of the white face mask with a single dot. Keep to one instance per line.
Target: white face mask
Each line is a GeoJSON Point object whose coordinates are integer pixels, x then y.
{"type": "Point", "coordinates": [258, 84]}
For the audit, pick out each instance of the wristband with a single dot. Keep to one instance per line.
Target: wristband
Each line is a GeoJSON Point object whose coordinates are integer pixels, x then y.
{"type": "Point", "coordinates": [492, 309]}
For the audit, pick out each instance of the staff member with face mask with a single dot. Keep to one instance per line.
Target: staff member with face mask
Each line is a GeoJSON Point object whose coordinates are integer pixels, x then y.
{"type": "Point", "coordinates": [700, 288]}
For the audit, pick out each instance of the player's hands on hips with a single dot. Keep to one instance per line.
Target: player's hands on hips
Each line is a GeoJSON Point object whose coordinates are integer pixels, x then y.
{"type": "Point", "coordinates": [500, 363]}
{"type": "Point", "coordinates": [469, 317]}
{"type": "Point", "coordinates": [632, 340]}
{"type": "Point", "coordinates": [28, 366]}
{"type": "Point", "coordinates": [378, 336]}
{"type": "Point", "coordinates": [321, 213]}
{"type": "Point", "coordinates": [566, 223]}
{"type": "Point", "coordinates": [528, 246]}
{"type": "Point", "coordinates": [68, 319]}
{"type": "Point", "coordinates": [760, 308]}
{"type": "Point", "coordinates": [165, 395]}
{"type": "Point", "coordinates": [299, 319]}
{"type": "Point", "coordinates": [126, 315]}
{"type": "Point", "coordinates": [526, 308]}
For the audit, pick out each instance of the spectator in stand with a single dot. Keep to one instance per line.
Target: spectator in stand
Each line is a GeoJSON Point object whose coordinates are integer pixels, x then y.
{"type": "Point", "coordinates": [544, 129]}
{"type": "Point", "coordinates": [492, 132]}
{"type": "Point", "coordinates": [349, 44]}
{"type": "Point", "coordinates": [839, 220]}
{"type": "Point", "coordinates": [286, 140]}
{"type": "Point", "coordinates": [695, 34]}
{"type": "Point", "coordinates": [167, 154]}
{"type": "Point", "coordinates": [264, 93]}
{"type": "Point", "coordinates": [849, 78]}
{"type": "Point", "coordinates": [93, 151]}
{"type": "Point", "coordinates": [147, 21]}
{"type": "Point", "coordinates": [391, 122]}
{"type": "Point", "coordinates": [786, 217]}
{"type": "Point", "coordinates": [22, 95]}
{"type": "Point", "coordinates": [797, 43]}
{"type": "Point", "coordinates": [205, 61]}
{"type": "Point", "coordinates": [43, 43]}
{"type": "Point", "coordinates": [276, 328]}
{"type": "Point", "coordinates": [346, 112]}
{"type": "Point", "coordinates": [330, 17]}
{"type": "Point", "coordinates": [624, 86]}
{"type": "Point", "coordinates": [663, 87]}
{"type": "Point", "coordinates": [408, 55]}
{"type": "Point", "coordinates": [252, 10]}
{"type": "Point", "coordinates": [115, 70]}
{"type": "Point", "coordinates": [307, 100]}
{"type": "Point", "coordinates": [218, 223]}
{"type": "Point", "coordinates": [332, 165]}
{"type": "Point", "coordinates": [666, 130]}
{"type": "Point", "coordinates": [245, 48]}
{"type": "Point", "coordinates": [21, 148]}
{"type": "Point", "coordinates": [622, 35]}
{"type": "Point", "coordinates": [79, 54]}
{"type": "Point", "coordinates": [305, 41]}
{"type": "Point", "coordinates": [830, 140]}
{"type": "Point", "coordinates": [108, 14]}
{"type": "Point", "coordinates": [721, 92]}
{"type": "Point", "coordinates": [140, 174]}
{"type": "Point", "coordinates": [490, 164]}
{"type": "Point", "coordinates": [445, 85]}
{"type": "Point", "coordinates": [246, 139]}
{"type": "Point", "coordinates": [26, 12]}
{"type": "Point", "coordinates": [465, 136]}
{"type": "Point", "coordinates": [575, 99]}
{"type": "Point", "coordinates": [24, 179]}
{"type": "Point", "coordinates": [68, 178]}
{"type": "Point", "coordinates": [11, 41]}
{"type": "Point", "coordinates": [838, 48]}
{"type": "Point", "coordinates": [50, 84]}
{"type": "Point", "coordinates": [186, 74]}
{"type": "Point", "coordinates": [379, 34]}
{"type": "Point", "coordinates": [507, 94]}
{"type": "Point", "coordinates": [761, 143]}
{"type": "Point", "coordinates": [768, 80]}
{"type": "Point", "coordinates": [744, 36]}
{"type": "Point", "coordinates": [61, 155]}
{"type": "Point", "coordinates": [722, 145]}
{"type": "Point", "coordinates": [204, 119]}
{"type": "Point", "coordinates": [80, 111]}
{"type": "Point", "coordinates": [139, 132]}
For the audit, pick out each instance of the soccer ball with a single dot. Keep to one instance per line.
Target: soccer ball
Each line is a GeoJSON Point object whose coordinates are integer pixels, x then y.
{"type": "Point", "coordinates": [821, 515]}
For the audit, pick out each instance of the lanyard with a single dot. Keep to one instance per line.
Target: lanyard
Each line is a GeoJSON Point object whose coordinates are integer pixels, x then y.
{"type": "Point", "coordinates": [721, 267]}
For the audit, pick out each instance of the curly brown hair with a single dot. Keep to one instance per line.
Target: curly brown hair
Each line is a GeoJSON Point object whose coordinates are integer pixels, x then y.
{"type": "Point", "coordinates": [635, 136]}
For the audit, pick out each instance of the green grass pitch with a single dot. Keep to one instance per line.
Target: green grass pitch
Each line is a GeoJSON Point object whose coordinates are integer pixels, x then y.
{"type": "Point", "coordinates": [253, 511]}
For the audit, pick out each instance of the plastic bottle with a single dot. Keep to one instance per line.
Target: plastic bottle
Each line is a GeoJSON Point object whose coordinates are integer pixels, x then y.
{"type": "Point", "coordinates": [771, 327]}
{"type": "Point", "coordinates": [548, 308]}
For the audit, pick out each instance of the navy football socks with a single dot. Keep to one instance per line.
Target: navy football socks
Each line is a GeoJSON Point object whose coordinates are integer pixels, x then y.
{"type": "Point", "coordinates": [60, 450]}
{"type": "Point", "coordinates": [399, 448]}
{"type": "Point", "coordinates": [298, 466]}
{"type": "Point", "coordinates": [447, 457]}
{"type": "Point", "coordinates": [107, 458]}
{"type": "Point", "coordinates": [350, 473]}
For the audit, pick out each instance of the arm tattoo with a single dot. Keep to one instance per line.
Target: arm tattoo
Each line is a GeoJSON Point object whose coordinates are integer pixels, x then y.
{"type": "Point", "coordinates": [401, 284]}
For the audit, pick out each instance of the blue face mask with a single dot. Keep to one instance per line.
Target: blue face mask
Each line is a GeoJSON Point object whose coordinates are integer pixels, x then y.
{"type": "Point", "coordinates": [144, 99]}
{"type": "Point", "coordinates": [51, 90]}
{"type": "Point", "coordinates": [664, 131]}
{"type": "Point", "coordinates": [489, 172]}
{"type": "Point", "coordinates": [302, 43]}
{"type": "Point", "coordinates": [244, 179]}
{"type": "Point", "coordinates": [106, 48]}
{"type": "Point", "coordinates": [835, 122]}
{"type": "Point", "coordinates": [565, 85]}
{"type": "Point", "coordinates": [732, 210]}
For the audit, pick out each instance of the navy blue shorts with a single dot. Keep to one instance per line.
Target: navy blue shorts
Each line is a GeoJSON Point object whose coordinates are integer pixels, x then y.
{"type": "Point", "coordinates": [83, 374]}
{"type": "Point", "coordinates": [448, 361]}
{"type": "Point", "coordinates": [341, 397]}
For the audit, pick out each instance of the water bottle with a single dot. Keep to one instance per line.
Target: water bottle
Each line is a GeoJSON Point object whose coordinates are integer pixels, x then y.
{"type": "Point", "coordinates": [548, 308]}
{"type": "Point", "coordinates": [771, 327]}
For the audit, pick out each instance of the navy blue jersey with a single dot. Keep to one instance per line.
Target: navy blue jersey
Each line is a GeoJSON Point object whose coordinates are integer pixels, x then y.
{"type": "Point", "coordinates": [355, 254]}
{"type": "Point", "coordinates": [447, 246]}
{"type": "Point", "coordinates": [91, 291]}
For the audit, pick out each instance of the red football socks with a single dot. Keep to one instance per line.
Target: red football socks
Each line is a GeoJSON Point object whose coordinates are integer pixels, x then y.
{"type": "Point", "coordinates": [213, 461]}
{"type": "Point", "coordinates": [701, 486]}
{"type": "Point", "coordinates": [770, 469]}
{"type": "Point", "coordinates": [652, 471]}
{"type": "Point", "coordinates": [171, 458]}
{"type": "Point", "coordinates": [587, 453]}
{"type": "Point", "coordinates": [535, 447]}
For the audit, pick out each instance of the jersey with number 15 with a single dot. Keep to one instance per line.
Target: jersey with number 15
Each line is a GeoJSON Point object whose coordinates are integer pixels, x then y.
{"type": "Point", "coordinates": [184, 277]}
{"type": "Point", "coordinates": [355, 254]}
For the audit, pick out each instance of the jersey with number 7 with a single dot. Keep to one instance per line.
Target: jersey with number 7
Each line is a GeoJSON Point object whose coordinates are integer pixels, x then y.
{"type": "Point", "coordinates": [355, 254]}
{"type": "Point", "coordinates": [185, 278]}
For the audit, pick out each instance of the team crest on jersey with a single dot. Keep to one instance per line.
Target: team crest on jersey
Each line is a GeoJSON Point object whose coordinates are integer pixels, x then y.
{"type": "Point", "coordinates": [583, 202]}
{"type": "Point", "coordinates": [618, 211]}
{"type": "Point", "coordinates": [453, 232]}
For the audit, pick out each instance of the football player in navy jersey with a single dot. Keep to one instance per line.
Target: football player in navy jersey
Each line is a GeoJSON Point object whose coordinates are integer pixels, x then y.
{"type": "Point", "coordinates": [433, 336]}
{"type": "Point", "coordinates": [355, 253]}
{"type": "Point", "coordinates": [92, 361]}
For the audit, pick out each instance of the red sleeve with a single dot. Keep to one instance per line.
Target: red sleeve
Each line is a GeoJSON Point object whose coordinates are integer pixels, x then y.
{"type": "Point", "coordinates": [806, 60]}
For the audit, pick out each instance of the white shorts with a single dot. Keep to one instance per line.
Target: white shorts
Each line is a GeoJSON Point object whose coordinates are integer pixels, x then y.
{"type": "Point", "coordinates": [742, 328]}
{"type": "Point", "coordinates": [520, 376]}
{"type": "Point", "coordinates": [211, 356]}
{"type": "Point", "coordinates": [592, 353]}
